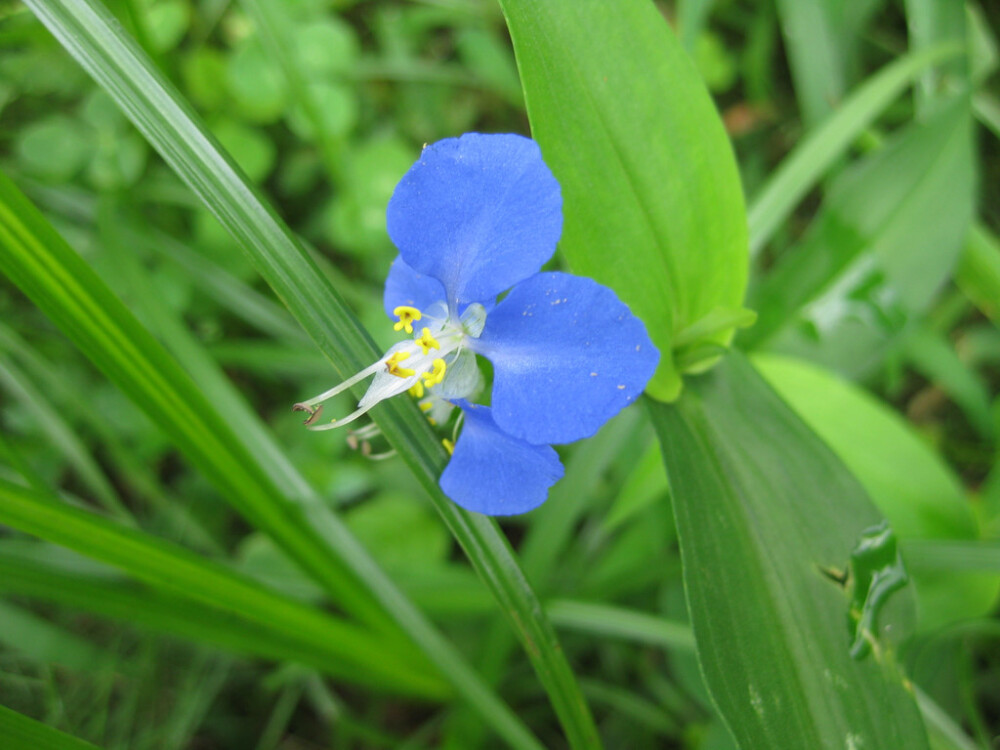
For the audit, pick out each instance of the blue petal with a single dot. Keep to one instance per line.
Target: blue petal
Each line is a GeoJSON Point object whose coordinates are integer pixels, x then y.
{"type": "Point", "coordinates": [494, 473]}
{"type": "Point", "coordinates": [404, 286]}
{"type": "Point", "coordinates": [567, 356]}
{"type": "Point", "coordinates": [479, 213]}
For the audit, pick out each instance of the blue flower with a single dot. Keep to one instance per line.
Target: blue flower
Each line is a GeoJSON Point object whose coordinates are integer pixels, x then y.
{"type": "Point", "coordinates": [477, 216]}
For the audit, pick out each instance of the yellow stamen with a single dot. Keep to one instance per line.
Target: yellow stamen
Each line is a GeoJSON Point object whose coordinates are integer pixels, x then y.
{"type": "Point", "coordinates": [392, 365]}
{"type": "Point", "coordinates": [436, 375]}
{"type": "Point", "coordinates": [426, 406]}
{"type": "Point", "coordinates": [406, 317]}
{"type": "Point", "coordinates": [426, 341]}
{"type": "Point", "coordinates": [417, 390]}
{"type": "Point", "coordinates": [448, 445]}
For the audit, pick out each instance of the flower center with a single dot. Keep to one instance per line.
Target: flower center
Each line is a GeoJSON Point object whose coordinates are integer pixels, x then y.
{"type": "Point", "coordinates": [434, 366]}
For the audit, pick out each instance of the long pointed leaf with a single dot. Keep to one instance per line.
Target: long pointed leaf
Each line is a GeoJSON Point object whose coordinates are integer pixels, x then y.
{"type": "Point", "coordinates": [763, 508]}
{"type": "Point", "coordinates": [653, 201]}
{"type": "Point", "coordinates": [20, 732]}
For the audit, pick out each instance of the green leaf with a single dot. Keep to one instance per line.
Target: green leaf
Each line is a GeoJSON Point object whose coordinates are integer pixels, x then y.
{"type": "Point", "coordinates": [978, 271]}
{"type": "Point", "coordinates": [351, 651]}
{"type": "Point", "coordinates": [45, 642]}
{"type": "Point", "coordinates": [906, 480]}
{"type": "Point", "coordinates": [653, 205]}
{"type": "Point", "coordinates": [765, 513]}
{"type": "Point", "coordinates": [888, 235]}
{"type": "Point", "coordinates": [54, 148]}
{"type": "Point", "coordinates": [54, 575]}
{"type": "Point", "coordinates": [614, 622]}
{"type": "Point", "coordinates": [799, 172]}
{"type": "Point", "coordinates": [22, 733]}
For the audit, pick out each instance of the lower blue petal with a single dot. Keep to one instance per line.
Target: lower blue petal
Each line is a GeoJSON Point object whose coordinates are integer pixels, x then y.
{"type": "Point", "coordinates": [404, 286]}
{"type": "Point", "coordinates": [567, 354]}
{"type": "Point", "coordinates": [494, 473]}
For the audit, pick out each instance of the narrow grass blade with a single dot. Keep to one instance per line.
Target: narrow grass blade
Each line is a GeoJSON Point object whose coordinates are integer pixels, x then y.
{"type": "Point", "coordinates": [361, 654]}
{"type": "Point", "coordinates": [22, 733]}
{"type": "Point", "coordinates": [87, 31]}
{"type": "Point", "coordinates": [802, 169]}
{"type": "Point", "coordinates": [954, 555]}
{"type": "Point", "coordinates": [27, 570]}
{"type": "Point", "coordinates": [64, 437]}
{"type": "Point", "coordinates": [40, 262]}
{"type": "Point", "coordinates": [978, 271]}
{"type": "Point", "coordinates": [44, 642]}
{"type": "Point", "coordinates": [615, 622]}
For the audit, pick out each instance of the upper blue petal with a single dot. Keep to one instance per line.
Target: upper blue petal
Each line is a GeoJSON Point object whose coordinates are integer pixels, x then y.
{"type": "Point", "coordinates": [494, 473]}
{"type": "Point", "coordinates": [404, 286]}
{"type": "Point", "coordinates": [479, 213]}
{"type": "Point", "coordinates": [567, 356]}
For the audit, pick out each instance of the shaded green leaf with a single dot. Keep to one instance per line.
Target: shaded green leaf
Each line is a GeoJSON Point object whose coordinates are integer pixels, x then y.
{"type": "Point", "coordinates": [763, 508]}
{"type": "Point", "coordinates": [22, 733]}
{"type": "Point", "coordinates": [886, 240]}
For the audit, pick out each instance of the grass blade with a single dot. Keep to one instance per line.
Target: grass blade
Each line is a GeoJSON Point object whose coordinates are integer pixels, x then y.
{"type": "Point", "coordinates": [22, 733]}
{"type": "Point", "coordinates": [801, 169]}
{"type": "Point", "coordinates": [357, 651]}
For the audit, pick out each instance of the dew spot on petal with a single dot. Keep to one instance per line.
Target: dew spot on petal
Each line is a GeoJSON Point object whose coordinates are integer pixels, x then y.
{"type": "Point", "coordinates": [621, 388]}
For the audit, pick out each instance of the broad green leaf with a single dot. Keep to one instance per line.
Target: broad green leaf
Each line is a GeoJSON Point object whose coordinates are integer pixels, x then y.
{"type": "Point", "coordinates": [20, 732]}
{"type": "Point", "coordinates": [885, 241]}
{"type": "Point", "coordinates": [906, 480]}
{"type": "Point", "coordinates": [765, 515]}
{"type": "Point", "coordinates": [351, 651]}
{"type": "Point", "coordinates": [952, 555]}
{"type": "Point", "coordinates": [652, 200]}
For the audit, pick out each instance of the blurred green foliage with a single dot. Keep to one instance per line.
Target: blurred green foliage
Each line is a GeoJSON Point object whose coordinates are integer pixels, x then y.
{"type": "Point", "coordinates": [878, 324]}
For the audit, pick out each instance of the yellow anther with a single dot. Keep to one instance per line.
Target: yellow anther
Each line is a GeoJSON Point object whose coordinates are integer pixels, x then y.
{"type": "Point", "coordinates": [417, 390]}
{"type": "Point", "coordinates": [436, 375]}
{"type": "Point", "coordinates": [426, 406]}
{"type": "Point", "coordinates": [448, 445]}
{"type": "Point", "coordinates": [392, 365]}
{"type": "Point", "coordinates": [426, 341]}
{"type": "Point", "coordinates": [406, 315]}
